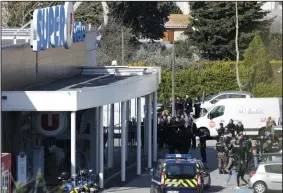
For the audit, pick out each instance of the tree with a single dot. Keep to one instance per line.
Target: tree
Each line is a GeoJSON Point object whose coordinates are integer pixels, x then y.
{"type": "Point", "coordinates": [274, 47]}
{"type": "Point", "coordinates": [212, 27]}
{"type": "Point", "coordinates": [17, 14]}
{"type": "Point", "coordinates": [146, 18]}
{"type": "Point", "coordinates": [175, 9]}
{"type": "Point", "coordinates": [111, 43]}
{"type": "Point", "coordinates": [257, 59]}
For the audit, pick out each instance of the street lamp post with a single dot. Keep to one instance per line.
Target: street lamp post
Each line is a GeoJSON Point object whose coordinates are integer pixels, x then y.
{"type": "Point", "coordinates": [173, 81]}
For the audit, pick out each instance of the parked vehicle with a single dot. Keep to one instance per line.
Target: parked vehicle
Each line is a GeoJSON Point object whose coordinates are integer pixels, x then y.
{"type": "Point", "coordinates": [210, 101]}
{"type": "Point", "coordinates": [252, 112]}
{"type": "Point", "coordinates": [267, 176]}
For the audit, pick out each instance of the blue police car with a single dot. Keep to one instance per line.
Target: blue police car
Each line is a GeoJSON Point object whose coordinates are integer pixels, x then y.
{"type": "Point", "coordinates": [179, 173]}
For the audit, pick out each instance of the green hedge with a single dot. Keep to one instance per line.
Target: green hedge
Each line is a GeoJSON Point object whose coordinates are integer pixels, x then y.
{"type": "Point", "coordinates": [213, 77]}
{"type": "Point", "coordinates": [268, 90]}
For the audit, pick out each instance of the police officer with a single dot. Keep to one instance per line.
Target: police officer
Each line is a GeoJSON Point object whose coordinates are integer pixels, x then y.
{"type": "Point", "coordinates": [184, 136]}
{"type": "Point", "coordinates": [231, 127]}
{"type": "Point", "coordinates": [220, 131]}
{"type": "Point", "coordinates": [188, 105]}
{"type": "Point", "coordinates": [237, 148]}
{"type": "Point", "coordinates": [221, 149]}
{"type": "Point", "coordinates": [239, 128]}
{"type": "Point", "coordinates": [193, 132]}
{"type": "Point", "coordinates": [231, 167]}
{"type": "Point", "coordinates": [202, 139]}
{"type": "Point", "coordinates": [262, 138]}
{"type": "Point", "coordinates": [197, 104]}
{"type": "Point", "coordinates": [160, 132]}
{"type": "Point", "coordinates": [172, 135]}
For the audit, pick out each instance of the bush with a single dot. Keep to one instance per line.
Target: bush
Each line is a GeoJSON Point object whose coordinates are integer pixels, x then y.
{"type": "Point", "coordinates": [268, 90]}
{"type": "Point", "coordinates": [210, 78]}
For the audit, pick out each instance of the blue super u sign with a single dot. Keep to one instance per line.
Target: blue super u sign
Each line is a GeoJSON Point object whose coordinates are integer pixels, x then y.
{"type": "Point", "coordinates": [54, 26]}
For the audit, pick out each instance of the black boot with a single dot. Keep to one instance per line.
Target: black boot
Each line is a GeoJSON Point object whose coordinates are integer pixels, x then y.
{"type": "Point", "coordinates": [220, 171]}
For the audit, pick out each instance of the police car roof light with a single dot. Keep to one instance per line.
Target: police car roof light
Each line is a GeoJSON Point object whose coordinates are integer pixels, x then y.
{"type": "Point", "coordinates": [178, 156]}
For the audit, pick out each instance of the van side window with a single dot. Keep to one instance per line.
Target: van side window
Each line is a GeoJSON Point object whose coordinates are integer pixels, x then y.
{"type": "Point", "coordinates": [217, 112]}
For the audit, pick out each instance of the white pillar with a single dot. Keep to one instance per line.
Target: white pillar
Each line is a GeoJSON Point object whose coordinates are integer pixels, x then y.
{"type": "Point", "coordinates": [149, 133]}
{"type": "Point", "coordinates": [123, 141]}
{"type": "Point", "coordinates": [73, 144]}
{"type": "Point", "coordinates": [127, 129]}
{"type": "Point", "coordinates": [110, 141]}
{"type": "Point", "coordinates": [145, 125]}
{"type": "Point", "coordinates": [101, 148]}
{"type": "Point", "coordinates": [154, 126]}
{"type": "Point", "coordinates": [92, 143]}
{"type": "Point", "coordinates": [139, 136]}
{"type": "Point", "coordinates": [97, 119]}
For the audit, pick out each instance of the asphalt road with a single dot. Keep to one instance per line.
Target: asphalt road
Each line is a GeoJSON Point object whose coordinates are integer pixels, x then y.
{"type": "Point", "coordinates": [142, 183]}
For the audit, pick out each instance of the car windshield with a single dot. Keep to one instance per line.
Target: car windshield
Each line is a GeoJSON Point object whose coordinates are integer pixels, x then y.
{"type": "Point", "coordinates": [181, 171]}
{"type": "Point", "coordinates": [207, 98]}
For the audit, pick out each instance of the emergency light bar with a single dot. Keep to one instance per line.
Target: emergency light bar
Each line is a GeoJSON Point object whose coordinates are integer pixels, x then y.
{"type": "Point", "coordinates": [178, 156]}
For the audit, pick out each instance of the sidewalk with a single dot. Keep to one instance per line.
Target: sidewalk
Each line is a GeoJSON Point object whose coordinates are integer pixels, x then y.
{"type": "Point", "coordinates": [114, 183]}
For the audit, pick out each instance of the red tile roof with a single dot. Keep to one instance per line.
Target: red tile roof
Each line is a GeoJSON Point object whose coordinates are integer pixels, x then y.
{"type": "Point", "coordinates": [177, 21]}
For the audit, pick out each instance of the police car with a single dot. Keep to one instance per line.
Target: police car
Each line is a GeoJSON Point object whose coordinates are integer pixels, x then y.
{"type": "Point", "coordinates": [179, 173]}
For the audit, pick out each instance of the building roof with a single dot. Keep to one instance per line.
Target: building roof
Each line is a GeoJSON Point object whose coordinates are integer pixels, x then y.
{"type": "Point", "coordinates": [177, 21]}
{"type": "Point", "coordinates": [93, 87]}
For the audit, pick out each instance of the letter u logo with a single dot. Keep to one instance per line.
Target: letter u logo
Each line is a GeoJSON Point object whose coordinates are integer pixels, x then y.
{"type": "Point", "coordinates": [50, 122]}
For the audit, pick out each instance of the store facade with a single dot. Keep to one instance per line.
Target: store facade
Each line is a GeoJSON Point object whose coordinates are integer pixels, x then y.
{"type": "Point", "coordinates": [54, 102]}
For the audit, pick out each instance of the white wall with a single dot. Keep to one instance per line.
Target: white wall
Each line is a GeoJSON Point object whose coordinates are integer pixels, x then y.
{"type": "Point", "coordinates": [179, 35]}
{"type": "Point", "coordinates": [22, 67]}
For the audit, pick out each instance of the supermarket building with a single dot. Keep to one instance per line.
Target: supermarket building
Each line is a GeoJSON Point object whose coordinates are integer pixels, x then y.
{"type": "Point", "coordinates": [55, 103]}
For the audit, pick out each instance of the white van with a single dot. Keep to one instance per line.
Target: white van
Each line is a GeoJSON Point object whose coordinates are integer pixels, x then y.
{"type": "Point", "coordinates": [210, 101]}
{"type": "Point", "coordinates": [252, 112]}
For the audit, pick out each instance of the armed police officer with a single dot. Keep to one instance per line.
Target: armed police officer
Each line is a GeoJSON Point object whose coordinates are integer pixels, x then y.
{"type": "Point", "coordinates": [222, 154]}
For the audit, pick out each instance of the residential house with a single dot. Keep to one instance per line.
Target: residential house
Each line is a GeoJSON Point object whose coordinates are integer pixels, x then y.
{"type": "Point", "coordinates": [175, 27]}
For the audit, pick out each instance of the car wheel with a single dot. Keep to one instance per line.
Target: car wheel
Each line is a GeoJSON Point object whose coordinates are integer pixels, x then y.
{"type": "Point", "coordinates": [260, 187]}
{"type": "Point", "coordinates": [207, 186]}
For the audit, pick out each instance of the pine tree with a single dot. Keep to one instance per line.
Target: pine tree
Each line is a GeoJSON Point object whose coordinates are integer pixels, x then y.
{"type": "Point", "coordinates": [212, 28]}
{"type": "Point", "coordinates": [256, 57]}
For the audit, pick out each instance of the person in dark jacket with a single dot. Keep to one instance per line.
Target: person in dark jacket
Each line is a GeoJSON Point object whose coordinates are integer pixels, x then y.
{"type": "Point", "coordinates": [188, 105]}
{"type": "Point", "coordinates": [231, 168]}
{"type": "Point", "coordinates": [220, 131]}
{"type": "Point", "coordinates": [193, 132]}
{"type": "Point", "coordinates": [231, 127]}
{"type": "Point", "coordinates": [202, 139]}
{"type": "Point", "coordinates": [239, 128]}
{"type": "Point", "coordinates": [172, 135]}
{"type": "Point", "coordinates": [241, 168]}
{"type": "Point", "coordinates": [197, 104]}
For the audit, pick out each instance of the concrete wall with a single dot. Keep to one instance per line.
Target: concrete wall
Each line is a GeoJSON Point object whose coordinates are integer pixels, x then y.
{"type": "Point", "coordinates": [179, 34]}
{"type": "Point", "coordinates": [22, 67]}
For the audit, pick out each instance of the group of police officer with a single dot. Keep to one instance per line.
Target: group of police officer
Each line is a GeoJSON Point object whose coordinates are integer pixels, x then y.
{"type": "Point", "coordinates": [179, 133]}
{"type": "Point", "coordinates": [232, 143]}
